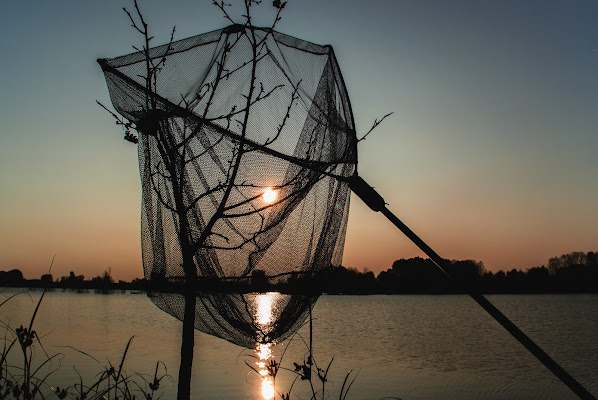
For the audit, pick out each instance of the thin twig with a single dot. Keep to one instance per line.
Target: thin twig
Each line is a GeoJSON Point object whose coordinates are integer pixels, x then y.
{"type": "Point", "coordinates": [376, 123]}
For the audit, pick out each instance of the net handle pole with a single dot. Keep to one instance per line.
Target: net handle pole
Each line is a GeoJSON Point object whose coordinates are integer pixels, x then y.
{"type": "Point", "coordinates": [376, 203]}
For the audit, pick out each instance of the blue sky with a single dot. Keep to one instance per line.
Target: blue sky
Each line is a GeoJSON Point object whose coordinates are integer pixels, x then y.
{"type": "Point", "coordinates": [490, 152]}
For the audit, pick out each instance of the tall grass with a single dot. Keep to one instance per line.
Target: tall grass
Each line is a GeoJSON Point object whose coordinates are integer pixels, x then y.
{"type": "Point", "coordinates": [26, 369]}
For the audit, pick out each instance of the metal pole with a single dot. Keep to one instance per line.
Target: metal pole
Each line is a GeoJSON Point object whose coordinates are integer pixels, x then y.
{"type": "Point", "coordinates": [376, 203]}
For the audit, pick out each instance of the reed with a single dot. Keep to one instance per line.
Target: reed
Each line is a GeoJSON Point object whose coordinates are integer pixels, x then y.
{"type": "Point", "coordinates": [26, 369]}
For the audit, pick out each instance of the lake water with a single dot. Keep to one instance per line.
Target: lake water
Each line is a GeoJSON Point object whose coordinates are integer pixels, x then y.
{"type": "Point", "coordinates": [407, 347]}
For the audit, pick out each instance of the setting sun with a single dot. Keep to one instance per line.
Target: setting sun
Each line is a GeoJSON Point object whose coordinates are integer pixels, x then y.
{"type": "Point", "coordinates": [270, 196]}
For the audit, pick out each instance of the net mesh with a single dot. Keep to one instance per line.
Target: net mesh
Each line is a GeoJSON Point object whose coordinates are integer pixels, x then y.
{"type": "Point", "coordinates": [242, 134]}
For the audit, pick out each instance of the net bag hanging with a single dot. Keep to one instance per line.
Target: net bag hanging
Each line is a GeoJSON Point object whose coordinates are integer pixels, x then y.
{"type": "Point", "coordinates": [243, 133]}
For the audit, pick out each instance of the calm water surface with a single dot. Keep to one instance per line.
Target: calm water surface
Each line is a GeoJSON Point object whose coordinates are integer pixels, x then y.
{"type": "Point", "coordinates": [410, 347]}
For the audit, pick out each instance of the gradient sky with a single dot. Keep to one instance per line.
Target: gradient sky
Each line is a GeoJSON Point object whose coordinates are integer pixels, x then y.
{"type": "Point", "coordinates": [490, 154]}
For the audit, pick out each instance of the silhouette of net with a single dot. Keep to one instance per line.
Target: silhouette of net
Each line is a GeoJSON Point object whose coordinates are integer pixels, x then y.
{"type": "Point", "coordinates": [226, 117]}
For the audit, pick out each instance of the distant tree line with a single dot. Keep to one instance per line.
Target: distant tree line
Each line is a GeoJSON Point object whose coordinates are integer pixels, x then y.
{"type": "Point", "coordinates": [564, 274]}
{"type": "Point", "coordinates": [570, 273]}
{"type": "Point", "coordinates": [103, 282]}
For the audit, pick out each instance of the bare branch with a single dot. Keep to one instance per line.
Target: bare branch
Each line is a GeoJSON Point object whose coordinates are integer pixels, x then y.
{"type": "Point", "coordinates": [221, 5]}
{"type": "Point", "coordinates": [219, 69]}
{"type": "Point", "coordinates": [162, 174]}
{"type": "Point", "coordinates": [205, 194]}
{"type": "Point", "coordinates": [376, 123]}
{"type": "Point", "coordinates": [159, 194]}
{"type": "Point", "coordinates": [209, 149]}
{"type": "Point", "coordinates": [140, 15]}
{"type": "Point", "coordinates": [294, 97]}
{"type": "Point", "coordinates": [220, 235]}
{"type": "Point", "coordinates": [261, 96]}
{"type": "Point", "coordinates": [133, 23]}
{"type": "Point", "coordinates": [157, 67]}
{"type": "Point", "coordinates": [122, 122]}
{"type": "Point", "coordinates": [229, 73]}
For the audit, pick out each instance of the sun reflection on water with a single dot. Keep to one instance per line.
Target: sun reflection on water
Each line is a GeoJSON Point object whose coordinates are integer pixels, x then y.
{"type": "Point", "coordinates": [264, 353]}
{"type": "Point", "coordinates": [264, 317]}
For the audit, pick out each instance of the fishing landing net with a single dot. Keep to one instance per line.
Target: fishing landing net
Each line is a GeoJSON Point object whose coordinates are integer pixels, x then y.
{"type": "Point", "coordinates": [242, 134]}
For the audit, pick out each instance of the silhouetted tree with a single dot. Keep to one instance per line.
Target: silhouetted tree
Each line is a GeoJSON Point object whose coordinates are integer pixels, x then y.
{"type": "Point", "coordinates": [566, 260]}
{"type": "Point", "coordinates": [467, 273]}
{"type": "Point", "coordinates": [515, 280]}
{"type": "Point", "coordinates": [577, 278]}
{"type": "Point", "coordinates": [538, 279]}
{"type": "Point", "coordinates": [11, 278]}
{"type": "Point", "coordinates": [46, 280]}
{"type": "Point", "coordinates": [103, 282]}
{"type": "Point", "coordinates": [169, 172]}
{"type": "Point", "coordinates": [592, 258]}
{"type": "Point", "coordinates": [72, 281]}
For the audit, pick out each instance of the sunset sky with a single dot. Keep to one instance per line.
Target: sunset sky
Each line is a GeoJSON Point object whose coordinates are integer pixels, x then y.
{"type": "Point", "coordinates": [490, 153]}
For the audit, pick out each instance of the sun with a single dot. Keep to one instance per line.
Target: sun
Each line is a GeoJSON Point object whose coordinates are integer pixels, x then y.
{"type": "Point", "coordinates": [270, 196]}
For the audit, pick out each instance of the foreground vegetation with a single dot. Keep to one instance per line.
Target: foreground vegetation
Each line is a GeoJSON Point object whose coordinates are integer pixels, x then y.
{"type": "Point", "coordinates": [570, 273]}
{"type": "Point", "coordinates": [26, 368]}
